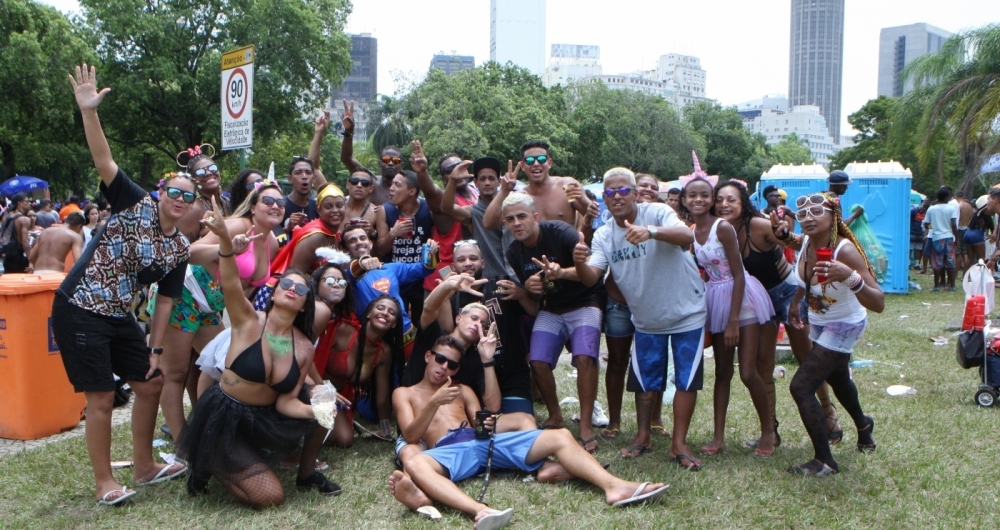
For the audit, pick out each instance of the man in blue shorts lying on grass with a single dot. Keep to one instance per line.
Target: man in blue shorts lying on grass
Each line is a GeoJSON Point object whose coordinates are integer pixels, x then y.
{"type": "Point", "coordinates": [438, 413]}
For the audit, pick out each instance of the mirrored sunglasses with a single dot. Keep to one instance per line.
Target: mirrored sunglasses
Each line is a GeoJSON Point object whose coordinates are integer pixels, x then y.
{"type": "Point", "coordinates": [203, 172]}
{"type": "Point", "coordinates": [623, 191]}
{"type": "Point", "coordinates": [174, 193]}
{"type": "Point", "coordinates": [530, 160]}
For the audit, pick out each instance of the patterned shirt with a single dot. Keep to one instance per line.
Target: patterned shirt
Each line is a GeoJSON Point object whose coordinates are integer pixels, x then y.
{"type": "Point", "coordinates": [129, 252]}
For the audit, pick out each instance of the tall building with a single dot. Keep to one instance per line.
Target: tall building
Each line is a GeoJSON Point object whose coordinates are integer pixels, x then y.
{"type": "Point", "coordinates": [816, 58]}
{"type": "Point", "coordinates": [899, 46]}
{"type": "Point", "coordinates": [517, 33]}
{"type": "Point", "coordinates": [452, 64]}
{"type": "Point", "coordinates": [571, 62]}
{"type": "Point", "coordinates": [361, 85]}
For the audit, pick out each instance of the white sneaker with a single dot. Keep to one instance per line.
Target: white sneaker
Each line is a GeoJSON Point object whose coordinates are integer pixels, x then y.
{"type": "Point", "coordinates": [599, 418]}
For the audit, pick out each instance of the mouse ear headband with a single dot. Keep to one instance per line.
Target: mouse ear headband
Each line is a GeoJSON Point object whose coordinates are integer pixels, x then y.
{"type": "Point", "coordinates": [184, 157]}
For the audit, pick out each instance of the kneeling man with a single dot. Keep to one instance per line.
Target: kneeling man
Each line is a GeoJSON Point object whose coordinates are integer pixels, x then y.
{"type": "Point", "coordinates": [436, 412]}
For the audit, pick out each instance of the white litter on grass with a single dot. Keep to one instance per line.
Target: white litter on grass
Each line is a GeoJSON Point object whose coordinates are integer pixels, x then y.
{"type": "Point", "coordinates": [430, 512]}
{"type": "Point", "coordinates": [940, 341]}
{"type": "Point", "coordinates": [901, 317]}
{"type": "Point", "coordinates": [572, 375]}
{"type": "Point", "coordinates": [569, 401]}
{"type": "Point", "coordinates": [900, 390]}
{"type": "Point", "coordinates": [926, 304]}
{"type": "Point", "coordinates": [168, 458]}
{"type": "Point", "coordinates": [529, 478]}
{"type": "Point", "coordinates": [779, 372]}
{"type": "Point", "coordinates": [946, 305]}
{"type": "Point", "coordinates": [159, 442]}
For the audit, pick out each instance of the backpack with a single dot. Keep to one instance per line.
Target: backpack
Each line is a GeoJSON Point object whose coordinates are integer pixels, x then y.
{"type": "Point", "coordinates": [9, 246]}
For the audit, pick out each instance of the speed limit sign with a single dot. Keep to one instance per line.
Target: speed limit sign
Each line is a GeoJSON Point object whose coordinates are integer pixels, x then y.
{"type": "Point", "coordinates": [237, 98]}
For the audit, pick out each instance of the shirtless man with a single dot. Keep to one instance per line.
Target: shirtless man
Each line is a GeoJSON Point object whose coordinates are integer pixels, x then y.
{"type": "Point", "coordinates": [360, 212]}
{"type": "Point", "coordinates": [965, 211]}
{"type": "Point", "coordinates": [433, 411]}
{"type": "Point", "coordinates": [16, 226]}
{"type": "Point", "coordinates": [556, 198]}
{"type": "Point", "coordinates": [48, 256]}
{"type": "Point", "coordinates": [390, 160]}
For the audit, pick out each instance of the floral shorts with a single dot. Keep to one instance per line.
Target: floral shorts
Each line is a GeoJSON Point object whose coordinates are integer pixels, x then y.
{"type": "Point", "coordinates": [186, 315]}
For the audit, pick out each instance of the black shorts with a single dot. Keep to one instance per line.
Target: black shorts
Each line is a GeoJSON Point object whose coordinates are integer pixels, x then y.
{"type": "Point", "coordinates": [96, 347]}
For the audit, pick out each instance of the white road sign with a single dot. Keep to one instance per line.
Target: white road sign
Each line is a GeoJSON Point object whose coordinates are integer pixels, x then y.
{"type": "Point", "coordinates": [237, 98]}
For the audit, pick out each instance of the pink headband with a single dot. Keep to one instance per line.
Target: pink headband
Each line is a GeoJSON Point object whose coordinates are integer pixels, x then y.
{"type": "Point", "coordinates": [698, 174]}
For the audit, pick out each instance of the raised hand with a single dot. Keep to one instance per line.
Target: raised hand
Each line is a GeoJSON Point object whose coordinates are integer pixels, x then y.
{"type": "Point", "coordinates": [636, 234]}
{"type": "Point", "coordinates": [241, 242]}
{"type": "Point", "coordinates": [85, 88]}
{"type": "Point", "coordinates": [581, 252]}
{"type": "Point", "coordinates": [347, 118]}
{"type": "Point", "coordinates": [487, 346]}
{"type": "Point", "coordinates": [417, 160]}
{"type": "Point", "coordinates": [216, 222]}
{"type": "Point", "coordinates": [574, 191]}
{"type": "Point", "coordinates": [777, 225]}
{"type": "Point", "coordinates": [322, 121]}
{"type": "Point", "coordinates": [509, 181]}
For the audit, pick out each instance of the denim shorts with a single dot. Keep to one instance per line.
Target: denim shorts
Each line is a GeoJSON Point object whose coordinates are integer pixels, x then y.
{"type": "Point", "coordinates": [838, 336]}
{"type": "Point", "coordinates": [618, 320]}
{"type": "Point", "coordinates": [781, 298]}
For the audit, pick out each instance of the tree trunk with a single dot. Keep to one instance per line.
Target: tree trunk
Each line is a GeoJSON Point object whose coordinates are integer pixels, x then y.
{"type": "Point", "coordinates": [940, 167]}
{"type": "Point", "coordinates": [971, 162]}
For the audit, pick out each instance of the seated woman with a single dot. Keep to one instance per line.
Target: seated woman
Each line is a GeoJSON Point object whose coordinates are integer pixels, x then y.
{"type": "Point", "coordinates": [260, 413]}
{"type": "Point", "coordinates": [360, 360]}
{"type": "Point", "coordinates": [839, 291]}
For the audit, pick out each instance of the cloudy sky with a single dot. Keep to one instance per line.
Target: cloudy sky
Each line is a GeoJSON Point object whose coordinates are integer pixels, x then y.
{"type": "Point", "coordinates": [743, 45]}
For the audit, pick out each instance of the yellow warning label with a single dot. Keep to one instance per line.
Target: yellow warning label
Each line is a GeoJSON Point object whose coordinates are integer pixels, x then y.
{"type": "Point", "coordinates": [238, 57]}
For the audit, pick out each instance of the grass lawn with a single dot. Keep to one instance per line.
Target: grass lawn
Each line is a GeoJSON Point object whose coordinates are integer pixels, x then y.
{"type": "Point", "coordinates": [933, 466]}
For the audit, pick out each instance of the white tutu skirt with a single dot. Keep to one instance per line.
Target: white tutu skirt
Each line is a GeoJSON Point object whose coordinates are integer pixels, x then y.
{"type": "Point", "coordinates": [212, 360]}
{"type": "Point", "coordinates": [719, 299]}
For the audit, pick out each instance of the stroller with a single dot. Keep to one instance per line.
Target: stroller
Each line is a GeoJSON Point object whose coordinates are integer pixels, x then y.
{"type": "Point", "coordinates": [974, 348]}
{"type": "Point", "coordinates": [986, 396]}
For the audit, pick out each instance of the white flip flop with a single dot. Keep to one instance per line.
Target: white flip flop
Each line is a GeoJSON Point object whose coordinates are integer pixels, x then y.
{"type": "Point", "coordinates": [495, 519]}
{"type": "Point", "coordinates": [639, 497]}
{"type": "Point", "coordinates": [163, 476]}
{"type": "Point", "coordinates": [429, 512]}
{"type": "Point", "coordinates": [120, 500]}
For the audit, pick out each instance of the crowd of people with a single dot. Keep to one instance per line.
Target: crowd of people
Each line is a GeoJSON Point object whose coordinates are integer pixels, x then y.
{"type": "Point", "coordinates": [444, 309]}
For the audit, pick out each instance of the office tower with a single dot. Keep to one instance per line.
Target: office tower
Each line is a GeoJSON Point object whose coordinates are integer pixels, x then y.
{"type": "Point", "coordinates": [361, 85]}
{"type": "Point", "coordinates": [899, 46]}
{"type": "Point", "coordinates": [517, 33]}
{"type": "Point", "coordinates": [816, 58]}
{"type": "Point", "coordinates": [452, 63]}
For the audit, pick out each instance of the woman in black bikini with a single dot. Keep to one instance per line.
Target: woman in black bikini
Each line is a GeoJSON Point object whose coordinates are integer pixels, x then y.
{"type": "Point", "coordinates": [260, 412]}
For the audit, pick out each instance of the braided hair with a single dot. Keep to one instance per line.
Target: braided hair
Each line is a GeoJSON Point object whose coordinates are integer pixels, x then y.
{"type": "Point", "coordinates": [393, 339]}
{"type": "Point", "coordinates": [840, 229]}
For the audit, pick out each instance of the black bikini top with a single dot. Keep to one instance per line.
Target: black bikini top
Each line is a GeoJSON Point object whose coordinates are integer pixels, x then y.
{"type": "Point", "coordinates": [250, 366]}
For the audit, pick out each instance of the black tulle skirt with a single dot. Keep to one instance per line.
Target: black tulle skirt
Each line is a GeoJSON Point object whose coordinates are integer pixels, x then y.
{"type": "Point", "coordinates": [234, 442]}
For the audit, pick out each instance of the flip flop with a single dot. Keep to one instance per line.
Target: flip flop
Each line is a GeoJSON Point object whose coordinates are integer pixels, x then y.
{"type": "Point", "coordinates": [585, 443]}
{"type": "Point", "coordinates": [680, 461]}
{"type": "Point", "coordinates": [126, 495]}
{"type": "Point", "coordinates": [801, 469]}
{"type": "Point", "coordinates": [494, 520]}
{"type": "Point", "coordinates": [634, 451]}
{"type": "Point", "coordinates": [610, 434]}
{"type": "Point", "coordinates": [163, 476]}
{"type": "Point", "coordinates": [711, 451]}
{"type": "Point", "coordinates": [639, 497]}
{"type": "Point", "coordinates": [429, 512]}
{"type": "Point", "coordinates": [659, 429]}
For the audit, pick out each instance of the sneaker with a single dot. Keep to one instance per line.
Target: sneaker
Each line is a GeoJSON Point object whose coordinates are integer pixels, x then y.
{"type": "Point", "coordinates": [320, 482]}
{"type": "Point", "coordinates": [599, 418]}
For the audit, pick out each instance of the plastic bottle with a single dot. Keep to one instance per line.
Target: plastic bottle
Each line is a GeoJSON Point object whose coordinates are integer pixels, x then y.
{"type": "Point", "coordinates": [862, 363]}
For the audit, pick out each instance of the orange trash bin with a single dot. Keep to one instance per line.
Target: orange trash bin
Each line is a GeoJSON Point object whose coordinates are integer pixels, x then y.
{"type": "Point", "coordinates": [37, 399]}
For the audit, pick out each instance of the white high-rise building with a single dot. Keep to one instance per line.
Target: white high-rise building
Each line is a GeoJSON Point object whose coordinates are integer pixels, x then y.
{"type": "Point", "coordinates": [769, 117]}
{"type": "Point", "coordinates": [571, 62]}
{"type": "Point", "coordinates": [687, 75]}
{"type": "Point", "coordinates": [517, 33]}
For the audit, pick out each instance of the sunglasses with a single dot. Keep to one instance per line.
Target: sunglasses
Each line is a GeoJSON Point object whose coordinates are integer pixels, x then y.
{"type": "Point", "coordinates": [806, 200]}
{"type": "Point", "coordinates": [441, 359]}
{"type": "Point", "coordinates": [354, 181]}
{"type": "Point", "coordinates": [202, 172]}
{"type": "Point", "coordinates": [174, 193]}
{"type": "Point", "coordinates": [530, 160]}
{"type": "Point", "coordinates": [816, 211]}
{"type": "Point", "coordinates": [464, 242]}
{"type": "Point", "coordinates": [332, 282]}
{"type": "Point", "coordinates": [271, 201]}
{"type": "Point", "coordinates": [623, 191]}
{"type": "Point", "coordinates": [288, 284]}
{"type": "Point", "coordinates": [391, 159]}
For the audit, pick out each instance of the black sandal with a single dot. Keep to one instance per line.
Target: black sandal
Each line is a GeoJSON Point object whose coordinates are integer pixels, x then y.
{"type": "Point", "coordinates": [320, 482]}
{"type": "Point", "coordinates": [834, 437]}
{"type": "Point", "coordinates": [869, 446]}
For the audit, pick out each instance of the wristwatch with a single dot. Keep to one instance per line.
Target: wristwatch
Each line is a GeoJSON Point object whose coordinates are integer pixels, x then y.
{"type": "Point", "coordinates": [652, 231]}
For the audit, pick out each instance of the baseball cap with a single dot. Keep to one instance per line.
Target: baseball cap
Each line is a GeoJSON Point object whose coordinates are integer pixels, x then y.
{"type": "Point", "coordinates": [839, 177]}
{"type": "Point", "coordinates": [486, 162]}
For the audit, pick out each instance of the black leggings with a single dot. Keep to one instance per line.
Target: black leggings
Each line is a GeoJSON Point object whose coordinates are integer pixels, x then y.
{"type": "Point", "coordinates": [826, 365]}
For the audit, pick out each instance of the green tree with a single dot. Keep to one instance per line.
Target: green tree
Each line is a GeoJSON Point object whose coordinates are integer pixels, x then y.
{"type": "Point", "coordinates": [387, 124]}
{"type": "Point", "coordinates": [162, 60]}
{"type": "Point", "coordinates": [489, 110]}
{"type": "Point", "coordinates": [39, 132]}
{"type": "Point", "coordinates": [732, 150]}
{"type": "Point", "coordinates": [960, 91]}
{"type": "Point", "coordinates": [793, 149]}
{"type": "Point", "coordinates": [627, 128]}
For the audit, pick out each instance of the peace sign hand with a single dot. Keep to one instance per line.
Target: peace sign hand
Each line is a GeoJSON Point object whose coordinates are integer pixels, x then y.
{"type": "Point", "coordinates": [509, 180]}
{"type": "Point", "coordinates": [417, 160]}
{"type": "Point", "coordinates": [777, 226]}
{"type": "Point", "coordinates": [347, 118]}
{"type": "Point", "coordinates": [242, 241]}
{"type": "Point", "coordinates": [552, 270]}
{"type": "Point", "coordinates": [216, 222]}
{"type": "Point", "coordinates": [487, 346]}
{"type": "Point", "coordinates": [85, 88]}
{"type": "Point", "coordinates": [322, 121]}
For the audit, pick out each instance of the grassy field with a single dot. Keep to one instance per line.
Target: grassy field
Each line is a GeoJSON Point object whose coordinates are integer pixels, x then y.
{"type": "Point", "coordinates": [934, 466]}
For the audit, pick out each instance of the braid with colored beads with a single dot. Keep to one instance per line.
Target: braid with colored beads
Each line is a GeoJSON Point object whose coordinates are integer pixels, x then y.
{"type": "Point", "coordinates": [842, 229]}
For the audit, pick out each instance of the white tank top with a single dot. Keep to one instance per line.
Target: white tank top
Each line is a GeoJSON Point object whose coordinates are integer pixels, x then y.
{"type": "Point", "coordinates": [836, 302]}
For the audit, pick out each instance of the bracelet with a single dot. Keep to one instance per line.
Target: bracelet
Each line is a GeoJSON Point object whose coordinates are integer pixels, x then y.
{"type": "Point", "coordinates": [231, 254]}
{"type": "Point", "coordinates": [489, 363]}
{"type": "Point", "coordinates": [156, 351]}
{"type": "Point", "coordinates": [348, 135]}
{"type": "Point", "coordinates": [855, 282]}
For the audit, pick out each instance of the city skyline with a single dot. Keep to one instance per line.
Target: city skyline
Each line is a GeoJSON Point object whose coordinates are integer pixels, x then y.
{"type": "Point", "coordinates": [635, 34]}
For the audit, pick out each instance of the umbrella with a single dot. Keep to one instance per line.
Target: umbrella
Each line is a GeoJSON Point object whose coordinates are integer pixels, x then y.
{"type": "Point", "coordinates": [21, 184]}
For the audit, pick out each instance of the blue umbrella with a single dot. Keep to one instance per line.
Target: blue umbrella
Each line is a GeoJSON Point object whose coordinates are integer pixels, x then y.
{"type": "Point", "coordinates": [21, 184]}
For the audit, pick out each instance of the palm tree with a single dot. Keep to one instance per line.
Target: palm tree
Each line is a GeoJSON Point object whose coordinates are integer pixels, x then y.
{"type": "Point", "coordinates": [387, 124]}
{"type": "Point", "coordinates": [958, 91]}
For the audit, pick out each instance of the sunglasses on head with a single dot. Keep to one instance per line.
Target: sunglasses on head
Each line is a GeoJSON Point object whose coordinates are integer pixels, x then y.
{"type": "Point", "coordinates": [464, 242]}
{"type": "Point", "coordinates": [806, 200]}
{"type": "Point", "coordinates": [250, 185]}
{"type": "Point", "coordinates": [386, 159]}
{"type": "Point", "coordinates": [530, 160]}
{"type": "Point", "coordinates": [271, 201]}
{"type": "Point", "coordinates": [174, 193]}
{"type": "Point", "coordinates": [623, 191]}
{"type": "Point", "coordinates": [441, 359]}
{"type": "Point", "coordinates": [331, 282]}
{"type": "Point", "coordinates": [354, 181]}
{"type": "Point", "coordinates": [207, 170]}
{"type": "Point", "coordinates": [815, 211]}
{"type": "Point", "coordinates": [288, 284]}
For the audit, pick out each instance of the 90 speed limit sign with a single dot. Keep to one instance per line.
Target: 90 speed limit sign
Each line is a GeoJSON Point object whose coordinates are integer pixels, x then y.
{"type": "Point", "coordinates": [237, 98]}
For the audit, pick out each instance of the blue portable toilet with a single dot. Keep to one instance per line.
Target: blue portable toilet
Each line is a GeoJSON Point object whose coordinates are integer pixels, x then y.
{"type": "Point", "coordinates": [882, 188]}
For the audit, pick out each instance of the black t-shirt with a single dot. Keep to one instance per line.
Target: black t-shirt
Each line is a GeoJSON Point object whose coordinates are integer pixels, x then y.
{"type": "Point", "coordinates": [470, 370]}
{"type": "Point", "coordinates": [127, 253]}
{"type": "Point", "coordinates": [309, 209]}
{"type": "Point", "coordinates": [556, 240]}
{"type": "Point", "coordinates": [513, 328]}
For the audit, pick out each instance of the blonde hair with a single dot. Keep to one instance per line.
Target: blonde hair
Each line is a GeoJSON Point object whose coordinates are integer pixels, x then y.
{"type": "Point", "coordinates": [620, 172]}
{"type": "Point", "coordinates": [519, 198]}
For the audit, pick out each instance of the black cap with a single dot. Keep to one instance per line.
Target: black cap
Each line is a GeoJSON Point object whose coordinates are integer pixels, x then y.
{"type": "Point", "coordinates": [486, 162]}
{"type": "Point", "coordinates": [839, 177]}
{"type": "Point", "coordinates": [769, 189]}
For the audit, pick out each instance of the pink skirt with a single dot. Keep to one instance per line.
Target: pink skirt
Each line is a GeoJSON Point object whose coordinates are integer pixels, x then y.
{"type": "Point", "coordinates": [756, 306]}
